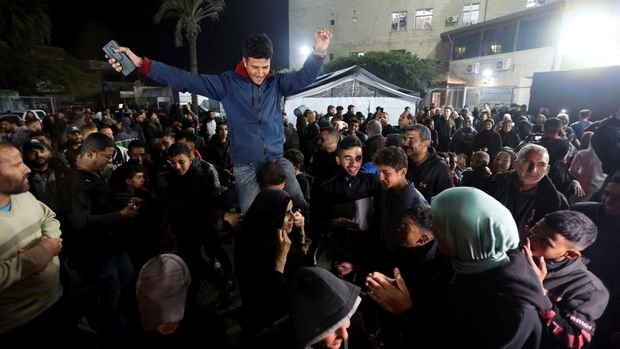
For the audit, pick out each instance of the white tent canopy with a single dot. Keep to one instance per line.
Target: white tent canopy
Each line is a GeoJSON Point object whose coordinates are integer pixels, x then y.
{"type": "Point", "coordinates": [357, 86]}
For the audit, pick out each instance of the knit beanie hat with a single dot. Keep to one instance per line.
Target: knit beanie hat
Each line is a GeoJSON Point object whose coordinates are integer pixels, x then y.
{"type": "Point", "coordinates": [161, 290]}
{"type": "Point", "coordinates": [320, 304]}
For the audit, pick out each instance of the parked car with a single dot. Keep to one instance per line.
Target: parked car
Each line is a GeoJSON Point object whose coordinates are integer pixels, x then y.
{"type": "Point", "coordinates": [41, 114]}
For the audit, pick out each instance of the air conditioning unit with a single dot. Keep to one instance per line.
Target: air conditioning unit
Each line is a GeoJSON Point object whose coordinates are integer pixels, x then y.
{"type": "Point", "coordinates": [473, 68]}
{"type": "Point", "coordinates": [452, 19]}
{"type": "Point", "coordinates": [503, 64]}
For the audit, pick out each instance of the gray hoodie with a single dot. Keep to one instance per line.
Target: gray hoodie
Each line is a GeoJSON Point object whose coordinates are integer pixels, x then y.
{"type": "Point", "coordinates": [320, 304]}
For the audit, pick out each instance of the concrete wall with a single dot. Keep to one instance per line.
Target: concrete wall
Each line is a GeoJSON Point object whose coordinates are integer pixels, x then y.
{"type": "Point", "coordinates": [523, 66]}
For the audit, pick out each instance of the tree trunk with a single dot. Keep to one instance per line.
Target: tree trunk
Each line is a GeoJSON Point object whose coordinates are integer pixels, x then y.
{"type": "Point", "coordinates": [193, 62]}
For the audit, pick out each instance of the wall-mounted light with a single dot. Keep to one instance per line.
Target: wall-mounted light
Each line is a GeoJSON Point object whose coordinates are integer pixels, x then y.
{"type": "Point", "coordinates": [354, 17]}
{"type": "Point", "coordinates": [487, 74]}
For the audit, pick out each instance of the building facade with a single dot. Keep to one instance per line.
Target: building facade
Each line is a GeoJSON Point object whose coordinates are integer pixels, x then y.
{"type": "Point", "coordinates": [490, 49]}
{"type": "Point", "coordinates": [413, 26]}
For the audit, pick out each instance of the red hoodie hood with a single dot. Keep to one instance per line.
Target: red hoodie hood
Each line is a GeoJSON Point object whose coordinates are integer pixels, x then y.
{"type": "Point", "coordinates": [240, 69]}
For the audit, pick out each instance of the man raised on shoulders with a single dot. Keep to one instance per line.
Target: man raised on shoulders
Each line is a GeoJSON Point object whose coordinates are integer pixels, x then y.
{"type": "Point", "coordinates": [251, 95]}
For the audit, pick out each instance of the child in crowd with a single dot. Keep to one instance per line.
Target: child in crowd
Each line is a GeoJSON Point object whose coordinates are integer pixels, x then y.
{"type": "Point", "coordinates": [479, 174]}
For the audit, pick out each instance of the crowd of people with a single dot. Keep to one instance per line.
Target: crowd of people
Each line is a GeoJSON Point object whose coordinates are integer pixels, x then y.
{"type": "Point", "coordinates": [490, 227]}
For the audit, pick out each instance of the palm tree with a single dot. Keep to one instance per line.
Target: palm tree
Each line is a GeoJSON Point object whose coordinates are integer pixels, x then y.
{"type": "Point", "coordinates": [24, 23]}
{"type": "Point", "coordinates": [189, 14]}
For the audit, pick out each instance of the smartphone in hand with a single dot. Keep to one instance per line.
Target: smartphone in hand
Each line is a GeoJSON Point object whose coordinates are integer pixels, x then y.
{"type": "Point", "coordinates": [121, 58]}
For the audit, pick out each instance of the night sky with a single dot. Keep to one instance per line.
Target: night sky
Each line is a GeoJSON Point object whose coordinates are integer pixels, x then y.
{"type": "Point", "coordinates": [83, 27]}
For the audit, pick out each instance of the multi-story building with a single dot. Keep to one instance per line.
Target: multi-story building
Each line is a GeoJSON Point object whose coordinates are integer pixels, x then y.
{"type": "Point", "coordinates": [488, 49]}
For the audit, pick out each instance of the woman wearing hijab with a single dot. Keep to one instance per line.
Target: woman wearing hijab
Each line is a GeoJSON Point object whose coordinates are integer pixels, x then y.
{"type": "Point", "coordinates": [496, 295]}
{"type": "Point", "coordinates": [264, 257]}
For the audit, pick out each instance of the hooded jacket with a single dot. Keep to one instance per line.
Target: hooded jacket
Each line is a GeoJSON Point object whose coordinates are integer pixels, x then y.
{"type": "Point", "coordinates": [320, 304]}
{"type": "Point", "coordinates": [575, 299]}
{"type": "Point", "coordinates": [254, 111]}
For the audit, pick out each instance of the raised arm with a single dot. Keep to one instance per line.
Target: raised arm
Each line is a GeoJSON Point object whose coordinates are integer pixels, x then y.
{"type": "Point", "coordinates": [322, 37]}
{"type": "Point", "coordinates": [203, 84]}
{"type": "Point", "coordinates": [136, 60]}
{"type": "Point", "coordinates": [293, 82]}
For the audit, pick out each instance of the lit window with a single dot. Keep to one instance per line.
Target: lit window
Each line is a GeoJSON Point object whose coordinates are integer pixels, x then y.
{"type": "Point", "coordinates": [423, 19]}
{"type": "Point", "coordinates": [399, 21]}
{"type": "Point", "coordinates": [471, 13]}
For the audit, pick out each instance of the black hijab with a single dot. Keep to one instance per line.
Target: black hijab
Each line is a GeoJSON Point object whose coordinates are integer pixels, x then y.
{"type": "Point", "coordinates": [266, 215]}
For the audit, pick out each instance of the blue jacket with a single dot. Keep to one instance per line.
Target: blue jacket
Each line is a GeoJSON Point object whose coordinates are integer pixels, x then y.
{"type": "Point", "coordinates": [254, 112]}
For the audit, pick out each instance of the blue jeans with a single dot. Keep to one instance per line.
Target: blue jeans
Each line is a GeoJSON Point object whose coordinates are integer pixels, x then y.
{"type": "Point", "coordinates": [247, 184]}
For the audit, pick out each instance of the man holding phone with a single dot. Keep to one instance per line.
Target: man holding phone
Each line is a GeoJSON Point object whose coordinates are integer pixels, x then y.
{"type": "Point", "coordinates": [251, 95]}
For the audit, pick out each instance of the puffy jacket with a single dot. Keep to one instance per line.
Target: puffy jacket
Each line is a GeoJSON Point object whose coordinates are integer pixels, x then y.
{"type": "Point", "coordinates": [254, 112]}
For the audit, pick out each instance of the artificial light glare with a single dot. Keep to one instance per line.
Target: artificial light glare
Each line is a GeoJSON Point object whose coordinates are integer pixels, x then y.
{"type": "Point", "coordinates": [487, 73]}
{"type": "Point", "coordinates": [592, 37]}
{"type": "Point", "coordinates": [305, 50]}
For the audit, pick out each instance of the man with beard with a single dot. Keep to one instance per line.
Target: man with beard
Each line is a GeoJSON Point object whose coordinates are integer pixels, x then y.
{"type": "Point", "coordinates": [48, 172]}
{"type": "Point", "coordinates": [95, 245]}
{"type": "Point", "coordinates": [429, 174]}
{"type": "Point", "coordinates": [30, 289]}
{"type": "Point", "coordinates": [345, 207]}
{"type": "Point", "coordinates": [71, 148]}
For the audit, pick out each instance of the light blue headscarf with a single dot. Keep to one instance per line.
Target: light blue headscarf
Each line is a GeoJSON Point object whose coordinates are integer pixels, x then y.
{"type": "Point", "coordinates": [478, 229]}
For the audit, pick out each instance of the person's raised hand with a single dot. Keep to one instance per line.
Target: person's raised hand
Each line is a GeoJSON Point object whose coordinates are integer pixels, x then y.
{"type": "Point", "coordinates": [136, 60]}
{"type": "Point", "coordinates": [579, 192]}
{"type": "Point", "coordinates": [283, 245]}
{"type": "Point", "coordinates": [539, 266]}
{"type": "Point", "coordinates": [299, 219]}
{"type": "Point", "coordinates": [391, 294]}
{"type": "Point", "coordinates": [322, 37]}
